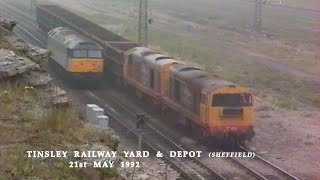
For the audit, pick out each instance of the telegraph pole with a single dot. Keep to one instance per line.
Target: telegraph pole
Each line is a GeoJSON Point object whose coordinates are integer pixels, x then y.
{"type": "Point", "coordinates": [257, 23]}
{"type": "Point", "coordinates": [143, 23]}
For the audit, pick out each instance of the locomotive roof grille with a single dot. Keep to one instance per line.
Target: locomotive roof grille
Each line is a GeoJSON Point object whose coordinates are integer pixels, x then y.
{"type": "Point", "coordinates": [162, 58]}
{"type": "Point", "coordinates": [189, 69]}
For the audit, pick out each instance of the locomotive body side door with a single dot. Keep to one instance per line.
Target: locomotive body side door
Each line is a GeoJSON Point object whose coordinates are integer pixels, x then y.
{"type": "Point", "coordinates": [204, 108]}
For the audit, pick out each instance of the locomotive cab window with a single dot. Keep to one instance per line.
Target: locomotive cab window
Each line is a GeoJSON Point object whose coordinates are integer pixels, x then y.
{"type": "Point", "coordinates": [94, 54]}
{"type": "Point", "coordinates": [231, 100]}
{"type": "Point", "coordinates": [79, 53]}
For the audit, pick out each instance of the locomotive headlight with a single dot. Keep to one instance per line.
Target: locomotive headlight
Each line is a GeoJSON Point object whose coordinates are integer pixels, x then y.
{"type": "Point", "coordinates": [234, 129]}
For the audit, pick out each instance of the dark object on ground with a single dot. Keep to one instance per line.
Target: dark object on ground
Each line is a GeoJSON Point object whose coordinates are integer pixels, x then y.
{"type": "Point", "coordinates": [7, 24]}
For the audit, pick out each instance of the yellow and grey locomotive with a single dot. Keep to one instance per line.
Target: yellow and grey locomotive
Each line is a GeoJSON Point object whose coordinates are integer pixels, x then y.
{"type": "Point", "coordinates": [80, 57]}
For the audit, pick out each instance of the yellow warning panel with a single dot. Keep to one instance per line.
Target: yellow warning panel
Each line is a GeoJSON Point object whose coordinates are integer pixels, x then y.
{"type": "Point", "coordinates": [85, 65]}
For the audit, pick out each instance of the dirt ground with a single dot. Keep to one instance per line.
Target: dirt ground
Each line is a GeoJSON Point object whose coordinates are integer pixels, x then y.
{"type": "Point", "coordinates": [290, 139]}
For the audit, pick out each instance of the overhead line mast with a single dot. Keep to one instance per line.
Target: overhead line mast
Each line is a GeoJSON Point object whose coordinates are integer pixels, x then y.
{"type": "Point", "coordinates": [33, 4]}
{"type": "Point", "coordinates": [257, 23]}
{"type": "Point", "coordinates": [143, 23]}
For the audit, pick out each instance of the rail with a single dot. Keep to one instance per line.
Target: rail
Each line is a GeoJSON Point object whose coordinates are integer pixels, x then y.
{"type": "Point", "coordinates": [259, 158]}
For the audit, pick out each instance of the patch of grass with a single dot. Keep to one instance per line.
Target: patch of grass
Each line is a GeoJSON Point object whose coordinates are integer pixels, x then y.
{"type": "Point", "coordinates": [316, 99]}
{"type": "Point", "coordinates": [6, 111]}
{"type": "Point", "coordinates": [287, 105]}
{"type": "Point", "coordinates": [109, 172]}
{"type": "Point", "coordinates": [90, 134]}
{"type": "Point", "coordinates": [18, 101]}
{"type": "Point", "coordinates": [57, 120]}
{"type": "Point", "coordinates": [29, 116]}
{"type": "Point", "coordinates": [265, 116]}
{"type": "Point", "coordinates": [18, 164]}
{"type": "Point", "coordinates": [62, 170]}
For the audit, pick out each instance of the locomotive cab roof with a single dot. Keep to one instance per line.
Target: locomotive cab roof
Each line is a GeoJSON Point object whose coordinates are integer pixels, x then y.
{"type": "Point", "coordinates": [159, 60]}
{"type": "Point", "coordinates": [199, 79]}
{"type": "Point", "coordinates": [187, 73]}
{"type": "Point", "coordinates": [210, 83]}
{"type": "Point", "coordinates": [142, 51]}
{"type": "Point", "coordinates": [72, 39]}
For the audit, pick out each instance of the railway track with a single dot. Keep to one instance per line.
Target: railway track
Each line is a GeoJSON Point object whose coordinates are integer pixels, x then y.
{"type": "Point", "coordinates": [28, 25]}
{"type": "Point", "coordinates": [277, 172]}
{"type": "Point", "coordinates": [17, 15]}
{"type": "Point", "coordinates": [256, 168]}
{"type": "Point", "coordinates": [190, 168]}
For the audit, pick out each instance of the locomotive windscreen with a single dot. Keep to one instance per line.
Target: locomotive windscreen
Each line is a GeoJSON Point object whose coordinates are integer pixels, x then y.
{"type": "Point", "coordinates": [231, 100]}
{"type": "Point", "coordinates": [84, 53]}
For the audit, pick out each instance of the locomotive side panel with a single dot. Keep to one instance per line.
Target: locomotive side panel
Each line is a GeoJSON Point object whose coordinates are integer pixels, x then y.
{"type": "Point", "coordinates": [141, 73]}
{"type": "Point", "coordinates": [182, 89]}
{"type": "Point", "coordinates": [58, 53]}
{"type": "Point", "coordinates": [185, 95]}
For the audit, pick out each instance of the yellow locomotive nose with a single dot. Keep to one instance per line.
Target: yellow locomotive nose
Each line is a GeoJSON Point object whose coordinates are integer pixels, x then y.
{"type": "Point", "coordinates": [86, 65]}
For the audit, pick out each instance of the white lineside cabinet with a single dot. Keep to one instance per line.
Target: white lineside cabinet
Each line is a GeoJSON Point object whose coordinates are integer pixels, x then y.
{"type": "Point", "coordinates": [103, 121]}
{"type": "Point", "coordinates": [94, 116]}
{"type": "Point", "coordinates": [89, 111]}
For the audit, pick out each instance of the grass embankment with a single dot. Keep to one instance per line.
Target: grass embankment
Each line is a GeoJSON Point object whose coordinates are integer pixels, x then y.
{"type": "Point", "coordinates": [27, 123]}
